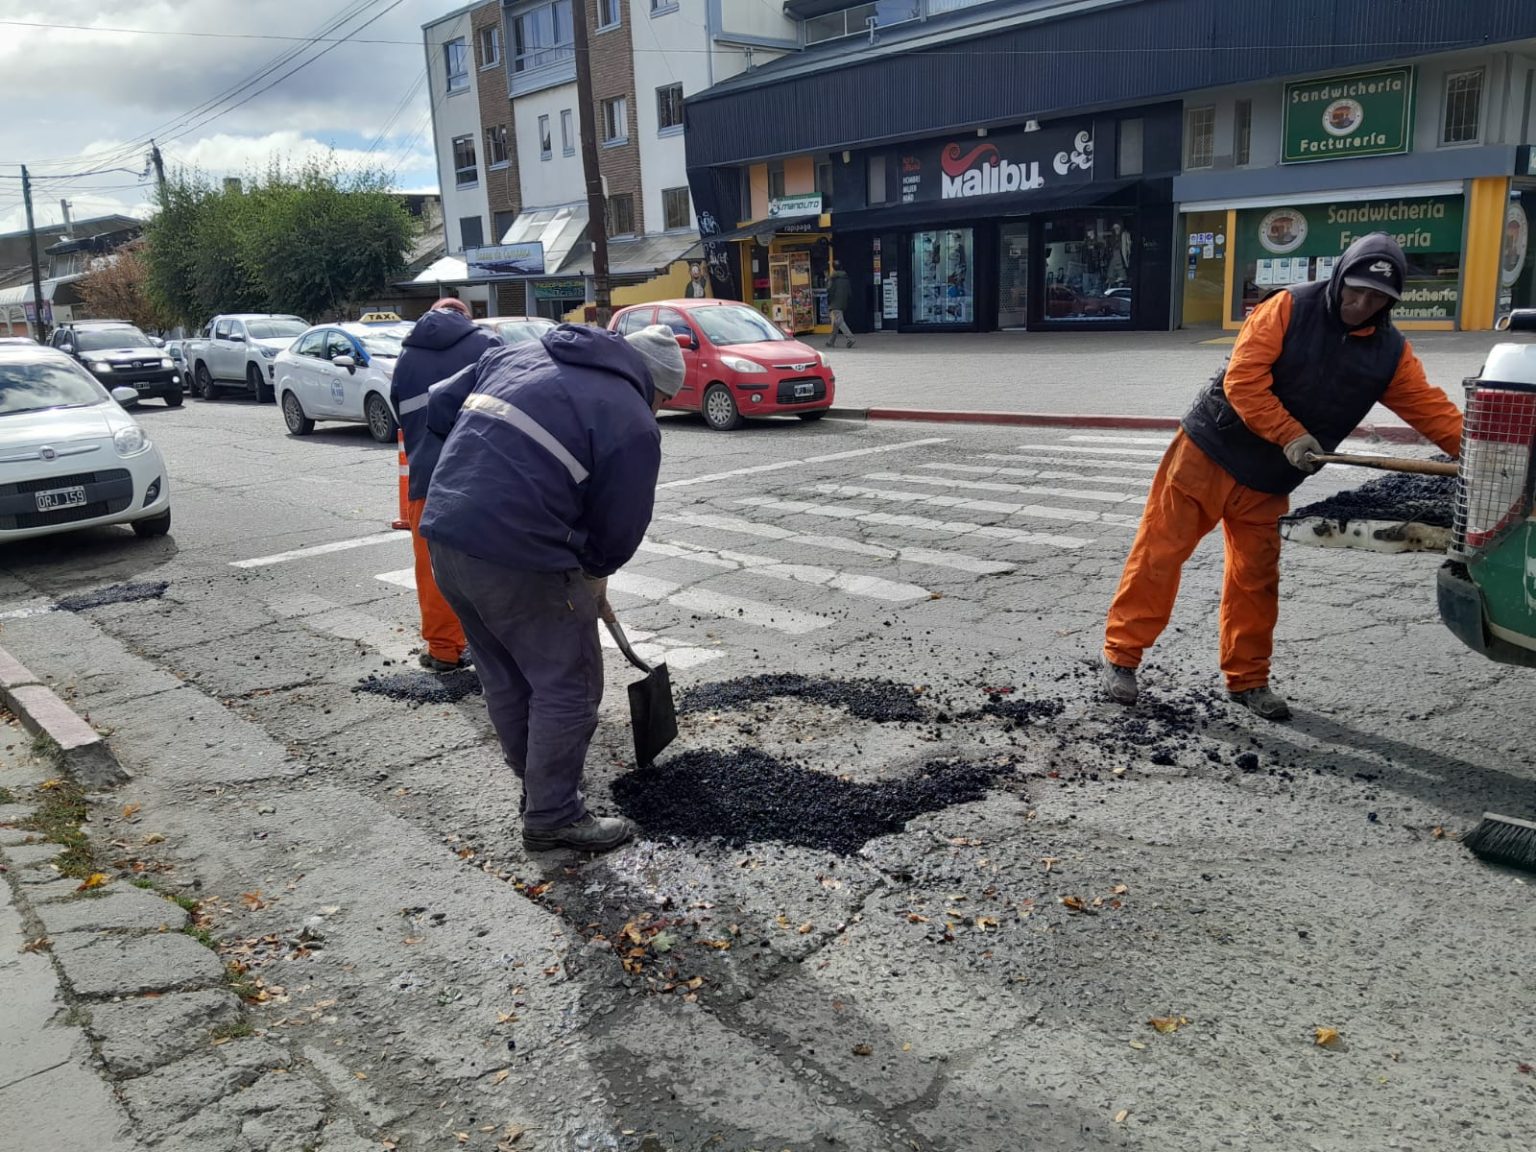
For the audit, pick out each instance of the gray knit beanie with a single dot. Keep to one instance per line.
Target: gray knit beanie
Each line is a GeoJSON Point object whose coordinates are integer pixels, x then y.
{"type": "Point", "coordinates": [658, 347]}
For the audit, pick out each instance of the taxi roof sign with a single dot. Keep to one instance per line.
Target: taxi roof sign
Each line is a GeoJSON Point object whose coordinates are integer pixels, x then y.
{"type": "Point", "coordinates": [379, 318]}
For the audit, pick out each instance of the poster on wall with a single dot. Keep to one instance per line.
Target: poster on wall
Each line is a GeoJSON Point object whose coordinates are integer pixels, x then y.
{"type": "Point", "coordinates": [1338, 117]}
{"type": "Point", "coordinates": [890, 298]}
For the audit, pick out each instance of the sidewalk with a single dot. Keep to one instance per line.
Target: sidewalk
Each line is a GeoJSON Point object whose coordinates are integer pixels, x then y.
{"type": "Point", "coordinates": [1148, 374]}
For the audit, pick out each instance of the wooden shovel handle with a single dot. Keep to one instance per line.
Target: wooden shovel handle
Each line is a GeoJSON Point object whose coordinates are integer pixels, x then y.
{"type": "Point", "coordinates": [1389, 463]}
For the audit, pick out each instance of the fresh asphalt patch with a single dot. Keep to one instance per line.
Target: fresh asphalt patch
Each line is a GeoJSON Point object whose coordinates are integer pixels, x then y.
{"type": "Point", "coordinates": [112, 594]}
{"type": "Point", "coordinates": [423, 687]}
{"type": "Point", "coordinates": [880, 701]}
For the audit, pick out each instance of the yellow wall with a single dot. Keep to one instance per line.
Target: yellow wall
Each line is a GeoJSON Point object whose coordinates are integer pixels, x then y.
{"type": "Point", "coordinates": [758, 209]}
{"type": "Point", "coordinates": [669, 285]}
{"type": "Point", "coordinates": [1487, 202]}
{"type": "Point", "coordinates": [799, 175]}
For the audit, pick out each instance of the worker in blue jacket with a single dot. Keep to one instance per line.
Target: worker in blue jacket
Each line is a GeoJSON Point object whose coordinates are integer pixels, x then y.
{"type": "Point", "coordinates": [545, 488]}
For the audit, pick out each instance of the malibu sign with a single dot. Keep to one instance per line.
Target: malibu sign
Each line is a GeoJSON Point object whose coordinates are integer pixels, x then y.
{"type": "Point", "coordinates": [1019, 162]}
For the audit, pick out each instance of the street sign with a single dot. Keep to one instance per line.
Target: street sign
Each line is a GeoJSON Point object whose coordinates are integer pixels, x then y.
{"type": "Point", "coordinates": [505, 261]}
{"type": "Point", "coordinates": [1337, 117]}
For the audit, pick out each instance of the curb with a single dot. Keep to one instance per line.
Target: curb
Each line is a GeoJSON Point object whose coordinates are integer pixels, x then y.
{"type": "Point", "coordinates": [81, 749]}
{"type": "Point", "coordinates": [1395, 433]}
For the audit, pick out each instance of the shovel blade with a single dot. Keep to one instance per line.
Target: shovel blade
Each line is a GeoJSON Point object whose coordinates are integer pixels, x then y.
{"type": "Point", "coordinates": [652, 714]}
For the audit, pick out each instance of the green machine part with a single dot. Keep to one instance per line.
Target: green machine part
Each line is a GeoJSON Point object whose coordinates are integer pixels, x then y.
{"type": "Point", "coordinates": [1506, 576]}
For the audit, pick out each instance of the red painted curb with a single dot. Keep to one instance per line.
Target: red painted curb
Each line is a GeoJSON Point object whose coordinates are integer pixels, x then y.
{"type": "Point", "coordinates": [1395, 433]}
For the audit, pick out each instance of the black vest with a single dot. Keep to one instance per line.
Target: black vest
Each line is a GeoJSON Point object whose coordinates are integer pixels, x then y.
{"type": "Point", "coordinates": [1326, 378]}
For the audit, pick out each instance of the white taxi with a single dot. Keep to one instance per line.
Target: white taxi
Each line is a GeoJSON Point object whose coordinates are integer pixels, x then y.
{"type": "Point", "coordinates": [70, 457]}
{"type": "Point", "coordinates": [340, 372]}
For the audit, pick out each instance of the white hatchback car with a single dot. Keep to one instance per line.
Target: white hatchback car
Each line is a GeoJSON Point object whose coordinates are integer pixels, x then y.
{"type": "Point", "coordinates": [70, 457]}
{"type": "Point", "coordinates": [340, 372]}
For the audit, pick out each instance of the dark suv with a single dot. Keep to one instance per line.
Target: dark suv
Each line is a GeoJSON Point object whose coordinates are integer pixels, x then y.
{"type": "Point", "coordinates": [118, 354]}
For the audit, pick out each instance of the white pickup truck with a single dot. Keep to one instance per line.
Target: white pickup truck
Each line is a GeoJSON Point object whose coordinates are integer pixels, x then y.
{"type": "Point", "coordinates": [238, 350]}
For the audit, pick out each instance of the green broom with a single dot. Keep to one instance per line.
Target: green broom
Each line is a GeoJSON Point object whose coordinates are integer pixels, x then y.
{"type": "Point", "coordinates": [1503, 840]}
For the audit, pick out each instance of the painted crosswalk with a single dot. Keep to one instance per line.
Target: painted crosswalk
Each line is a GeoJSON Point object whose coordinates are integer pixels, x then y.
{"type": "Point", "coordinates": [872, 587]}
{"type": "Point", "coordinates": [861, 515]}
{"type": "Point", "coordinates": [999, 486]}
{"type": "Point", "coordinates": [1026, 511]}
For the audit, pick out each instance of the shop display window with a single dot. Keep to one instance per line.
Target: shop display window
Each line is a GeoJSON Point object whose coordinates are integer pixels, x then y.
{"type": "Point", "coordinates": [1088, 263]}
{"type": "Point", "coordinates": [942, 291]}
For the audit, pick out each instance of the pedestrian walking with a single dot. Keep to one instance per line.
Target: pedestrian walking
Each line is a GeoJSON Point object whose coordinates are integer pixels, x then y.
{"type": "Point", "coordinates": [839, 296]}
{"type": "Point", "coordinates": [544, 489]}
{"type": "Point", "coordinates": [1308, 365]}
{"type": "Point", "coordinates": [442, 342]}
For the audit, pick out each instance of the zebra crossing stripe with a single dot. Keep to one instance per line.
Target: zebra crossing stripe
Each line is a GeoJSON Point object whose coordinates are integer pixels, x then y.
{"type": "Point", "coordinates": [1037, 474]}
{"type": "Point", "coordinates": [708, 603]}
{"type": "Point", "coordinates": [780, 465]}
{"type": "Point", "coordinates": [1087, 451]}
{"type": "Point", "coordinates": [1074, 461]}
{"type": "Point", "coordinates": [994, 486]}
{"type": "Point", "coordinates": [896, 520]}
{"type": "Point", "coordinates": [1031, 511]}
{"type": "Point", "coordinates": [872, 587]}
{"type": "Point", "coordinates": [1092, 439]}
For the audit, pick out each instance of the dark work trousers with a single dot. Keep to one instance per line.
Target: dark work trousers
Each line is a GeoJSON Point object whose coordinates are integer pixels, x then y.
{"type": "Point", "coordinates": [534, 639]}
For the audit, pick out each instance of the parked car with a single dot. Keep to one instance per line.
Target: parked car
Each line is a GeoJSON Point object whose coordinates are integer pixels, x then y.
{"type": "Point", "coordinates": [340, 372]}
{"type": "Point", "coordinates": [70, 456]}
{"type": "Point", "coordinates": [177, 351]}
{"type": "Point", "coordinates": [517, 329]}
{"type": "Point", "coordinates": [117, 353]}
{"type": "Point", "coordinates": [239, 349]}
{"type": "Point", "coordinates": [1062, 303]}
{"type": "Point", "coordinates": [739, 363]}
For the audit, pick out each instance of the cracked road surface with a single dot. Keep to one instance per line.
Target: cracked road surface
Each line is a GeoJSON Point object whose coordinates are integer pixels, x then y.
{"type": "Point", "coordinates": [983, 978]}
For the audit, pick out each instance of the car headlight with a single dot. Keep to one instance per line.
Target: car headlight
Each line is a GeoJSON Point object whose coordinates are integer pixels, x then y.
{"type": "Point", "coordinates": [167, 362]}
{"type": "Point", "coordinates": [100, 366]}
{"type": "Point", "coordinates": [265, 351]}
{"type": "Point", "coordinates": [824, 359]}
{"type": "Point", "coordinates": [745, 367]}
{"type": "Point", "coordinates": [130, 441]}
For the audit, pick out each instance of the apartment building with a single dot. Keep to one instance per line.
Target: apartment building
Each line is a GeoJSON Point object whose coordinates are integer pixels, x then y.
{"type": "Point", "coordinates": [507, 122]}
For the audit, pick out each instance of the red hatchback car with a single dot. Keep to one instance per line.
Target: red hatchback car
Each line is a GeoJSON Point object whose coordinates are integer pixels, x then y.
{"type": "Point", "coordinates": [740, 364]}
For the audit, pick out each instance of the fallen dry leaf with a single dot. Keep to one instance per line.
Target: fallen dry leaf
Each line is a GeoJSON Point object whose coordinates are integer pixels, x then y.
{"type": "Point", "coordinates": [360, 1075]}
{"type": "Point", "coordinates": [1050, 861]}
{"type": "Point", "coordinates": [41, 944]}
{"type": "Point", "coordinates": [501, 1077]}
{"type": "Point", "coordinates": [154, 838]}
{"type": "Point", "coordinates": [552, 970]}
{"type": "Point", "coordinates": [696, 983]}
{"type": "Point", "coordinates": [805, 929]}
{"type": "Point", "coordinates": [1119, 890]}
{"type": "Point", "coordinates": [253, 901]}
{"type": "Point", "coordinates": [413, 939]}
{"type": "Point", "coordinates": [1121, 1115]}
{"type": "Point", "coordinates": [50, 785]}
{"type": "Point", "coordinates": [1072, 903]}
{"type": "Point", "coordinates": [94, 880]}
{"type": "Point", "coordinates": [717, 945]}
{"type": "Point", "coordinates": [1167, 1024]}
{"type": "Point", "coordinates": [907, 1047]}
{"type": "Point", "coordinates": [130, 811]}
{"type": "Point", "coordinates": [1325, 1037]}
{"type": "Point", "coordinates": [461, 1137]}
{"type": "Point", "coordinates": [1523, 1069]}
{"type": "Point", "coordinates": [506, 1017]}
{"type": "Point", "coordinates": [986, 923]}
{"type": "Point", "coordinates": [388, 1145]}
{"type": "Point", "coordinates": [1138, 1045]}
{"type": "Point", "coordinates": [916, 918]}
{"type": "Point", "coordinates": [1438, 832]}
{"type": "Point", "coordinates": [1120, 771]}
{"type": "Point", "coordinates": [863, 1050]}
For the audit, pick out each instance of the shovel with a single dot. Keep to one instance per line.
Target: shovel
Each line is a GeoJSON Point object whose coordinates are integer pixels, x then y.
{"type": "Point", "coordinates": [651, 712]}
{"type": "Point", "coordinates": [1388, 463]}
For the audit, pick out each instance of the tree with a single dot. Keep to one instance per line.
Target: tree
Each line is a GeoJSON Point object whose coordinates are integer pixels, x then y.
{"type": "Point", "coordinates": [118, 288]}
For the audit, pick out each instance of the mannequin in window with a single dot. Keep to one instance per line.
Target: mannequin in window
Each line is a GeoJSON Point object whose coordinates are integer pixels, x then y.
{"type": "Point", "coordinates": [698, 286]}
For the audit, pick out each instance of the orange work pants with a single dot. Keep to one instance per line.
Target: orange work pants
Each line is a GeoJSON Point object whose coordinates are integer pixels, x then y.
{"type": "Point", "coordinates": [1190, 494]}
{"type": "Point", "coordinates": [440, 628]}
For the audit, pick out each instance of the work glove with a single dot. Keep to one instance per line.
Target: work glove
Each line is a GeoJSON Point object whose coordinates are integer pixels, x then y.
{"type": "Point", "coordinates": [1299, 449]}
{"type": "Point", "coordinates": [598, 586]}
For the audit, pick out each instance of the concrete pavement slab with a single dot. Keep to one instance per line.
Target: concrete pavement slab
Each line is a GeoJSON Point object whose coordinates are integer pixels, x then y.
{"type": "Point", "coordinates": [66, 1107]}
{"type": "Point", "coordinates": [137, 1036]}
{"type": "Point", "coordinates": [119, 907]}
{"type": "Point", "coordinates": [98, 966]}
{"type": "Point", "coordinates": [161, 1100]}
{"type": "Point", "coordinates": [36, 1036]}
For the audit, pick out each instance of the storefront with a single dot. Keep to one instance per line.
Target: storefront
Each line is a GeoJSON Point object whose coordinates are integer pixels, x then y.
{"type": "Point", "coordinates": [1012, 229]}
{"type": "Point", "coordinates": [785, 261]}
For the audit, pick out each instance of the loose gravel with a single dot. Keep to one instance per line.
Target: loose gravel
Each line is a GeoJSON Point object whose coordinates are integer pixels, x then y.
{"type": "Point", "coordinates": [880, 701]}
{"type": "Point", "coordinates": [422, 687]}
{"type": "Point", "coordinates": [1400, 497]}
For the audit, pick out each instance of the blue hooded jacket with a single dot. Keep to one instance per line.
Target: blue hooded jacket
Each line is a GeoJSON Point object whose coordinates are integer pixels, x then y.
{"type": "Point", "coordinates": [439, 345]}
{"type": "Point", "coordinates": [551, 454]}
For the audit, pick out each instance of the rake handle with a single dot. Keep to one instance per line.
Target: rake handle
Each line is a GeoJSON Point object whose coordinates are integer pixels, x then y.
{"type": "Point", "coordinates": [1388, 463]}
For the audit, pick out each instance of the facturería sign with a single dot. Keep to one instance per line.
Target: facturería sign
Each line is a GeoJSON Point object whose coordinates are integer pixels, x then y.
{"type": "Point", "coordinates": [499, 261]}
{"type": "Point", "coordinates": [1004, 164]}
{"type": "Point", "coordinates": [1362, 114]}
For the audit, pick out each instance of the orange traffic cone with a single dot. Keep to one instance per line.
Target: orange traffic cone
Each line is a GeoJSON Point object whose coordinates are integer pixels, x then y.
{"type": "Point", "coordinates": [405, 495]}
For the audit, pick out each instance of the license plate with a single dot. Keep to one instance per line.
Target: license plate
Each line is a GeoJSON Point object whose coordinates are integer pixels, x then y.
{"type": "Point", "coordinates": [60, 498]}
{"type": "Point", "coordinates": [805, 390]}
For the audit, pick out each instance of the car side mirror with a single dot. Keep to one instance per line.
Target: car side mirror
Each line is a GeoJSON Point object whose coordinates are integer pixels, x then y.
{"type": "Point", "coordinates": [157, 342]}
{"type": "Point", "coordinates": [236, 338]}
{"type": "Point", "coordinates": [686, 340]}
{"type": "Point", "coordinates": [345, 362]}
{"type": "Point", "coordinates": [67, 348]}
{"type": "Point", "coordinates": [124, 395]}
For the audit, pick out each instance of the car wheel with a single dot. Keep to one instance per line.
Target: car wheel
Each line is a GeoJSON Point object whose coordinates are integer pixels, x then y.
{"type": "Point", "coordinates": [293, 416]}
{"type": "Point", "coordinates": [173, 399]}
{"type": "Point", "coordinates": [154, 526]}
{"type": "Point", "coordinates": [720, 411]}
{"type": "Point", "coordinates": [810, 417]}
{"type": "Point", "coordinates": [202, 383]}
{"type": "Point", "coordinates": [381, 421]}
{"type": "Point", "coordinates": [258, 384]}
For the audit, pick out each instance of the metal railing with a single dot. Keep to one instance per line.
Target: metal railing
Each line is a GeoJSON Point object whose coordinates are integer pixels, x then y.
{"type": "Point", "coordinates": [1498, 465]}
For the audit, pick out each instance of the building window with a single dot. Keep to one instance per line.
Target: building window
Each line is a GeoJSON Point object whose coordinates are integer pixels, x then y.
{"type": "Point", "coordinates": [464, 171]}
{"type": "Point", "coordinates": [607, 14]}
{"type": "Point", "coordinates": [471, 232]}
{"type": "Point", "coordinates": [1089, 260]}
{"type": "Point", "coordinates": [621, 215]}
{"type": "Point", "coordinates": [567, 133]}
{"type": "Point", "coordinates": [1128, 159]}
{"type": "Point", "coordinates": [490, 46]}
{"type": "Point", "coordinates": [824, 182]}
{"type": "Point", "coordinates": [1463, 107]}
{"type": "Point", "coordinates": [456, 64]}
{"type": "Point", "coordinates": [941, 277]}
{"type": "Point", "coordinates": [496, 146]}
{"type": "Point", "coordinates": [1242, 133]}
{"type": "Point", "coordinates": [502, 224]}
{"type": "Point", "coordinates": [776, 180]}
{"type": "Point", "coordinates": [546, 150]}
{"type": "Point", "coordinates": [1199, 137]}
{"type": "Point", "coordinates": [875, 194]}
{"type": "Point", "coordinates": [674, 208]}
{"type": "Point", "coordinates": [615, 120]}
{"type": "Point", "coordinates": [669, 107]}
{"type": "Point", "coordinates": [543, 36]}
{"type": "Point", "coordinates": [856, 19]}
{"type": "Point", "coordinates": [662, 7]}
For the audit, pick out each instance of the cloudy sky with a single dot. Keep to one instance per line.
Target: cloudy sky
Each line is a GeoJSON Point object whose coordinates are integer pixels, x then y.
{"type": "Point", "coordinates": [83, 100]}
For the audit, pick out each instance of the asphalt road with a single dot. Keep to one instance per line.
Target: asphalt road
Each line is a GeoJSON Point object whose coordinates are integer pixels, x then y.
{"type": "Point", "coordinates": [981, 977]}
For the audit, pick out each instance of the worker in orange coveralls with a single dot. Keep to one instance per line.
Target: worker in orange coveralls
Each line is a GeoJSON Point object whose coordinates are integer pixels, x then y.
{"type": "Point", "coordinates": [441, 343]}
{"type": "Point", "coordinates": [1308, 365]}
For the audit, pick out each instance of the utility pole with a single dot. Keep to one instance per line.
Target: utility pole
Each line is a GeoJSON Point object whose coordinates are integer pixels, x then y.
{"type": "Point", "coordinates": [159, 163]}
{"type": "Point", "coordinates": [69, 225]}
{"type": "Point", "coordinates": [597, 205]}
{"type": "Point", "coordinates": [37, 272]}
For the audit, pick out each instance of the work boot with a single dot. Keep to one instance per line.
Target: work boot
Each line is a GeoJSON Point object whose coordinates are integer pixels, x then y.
{"type": "Point", "coordinates": [1263, 701]}
{"type": "Point", "coordinates": [432, 664]}
{"type": "Point", "coordinates": [589, 834]}
{"type": "Point", "coordinates": [1119, 683]}
{"type": "Point", "coordinates": [850, 342]}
